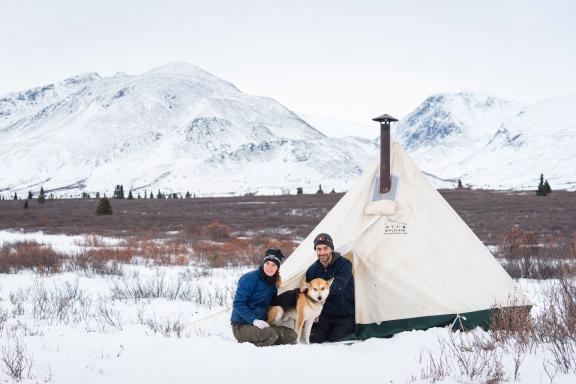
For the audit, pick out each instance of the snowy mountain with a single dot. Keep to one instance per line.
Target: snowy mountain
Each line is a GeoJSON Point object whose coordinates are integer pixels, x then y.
{"type": "Point", "coordinates": [492, 143]}
{"type": "Point", "coordinates": [175, 128]}
{"type": "Point", "coordinates": [178, 128]}
{"type": "Point", "coordinates": [342, 128]}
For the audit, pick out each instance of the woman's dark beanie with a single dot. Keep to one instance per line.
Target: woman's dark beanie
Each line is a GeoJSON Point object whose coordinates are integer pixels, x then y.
{"type": "Point", "coordinates": [275, 255]}
{"type": "Point", "coordinates": [323, 238]}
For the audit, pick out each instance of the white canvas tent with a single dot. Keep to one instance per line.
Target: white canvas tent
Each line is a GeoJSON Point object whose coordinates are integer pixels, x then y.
{"type": "Point", "coordinates": [416, 263]}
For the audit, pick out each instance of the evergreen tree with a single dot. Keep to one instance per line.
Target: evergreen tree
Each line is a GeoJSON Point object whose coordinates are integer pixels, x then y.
{"type": "Point", "coordinates": [97, 195]}
{"type": "Point", "coordinates": [188, 195]}
{"type": "Point", "coordinates": [460, 186]}
{"type": "Point", "coordinates": [541, 191]}
{"type": "Point", "coordinates": [15, 196]}
{"type": "Point", "coordinates": [29, 195]}
{"type": "Point", "coordinates": [119, 192]}
{"type": "Point", "coordinates": [25, 204]}
{"type": "Point", "coordinates": [139, 197]}
{"type": "Point", "coordinates": [151, 195]}
{"type": "Point", "coordinates": [104, 207]}
{"type": "Point", "coordinates": [145, 194]}
{"type": "Point", "coordinates": [332, 191]}
{"type": "Point", "coordinates": [41, 197]}
{"type": "Point", "coordinates": [159, 195]}
{"type": "Point", "coordinates": [320, 191]}
{"type": "Point", "coordinates": [547, 188]}
{"type": "Point", "coordinates": [130, 197]}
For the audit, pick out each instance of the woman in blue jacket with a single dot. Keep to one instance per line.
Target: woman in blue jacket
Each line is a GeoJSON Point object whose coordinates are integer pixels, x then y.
{"type": "Point", "coordinates": [255, 292]}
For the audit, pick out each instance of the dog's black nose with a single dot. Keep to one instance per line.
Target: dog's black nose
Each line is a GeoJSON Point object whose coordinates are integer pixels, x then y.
{"type": "Point", "coordinates": [319, 298]}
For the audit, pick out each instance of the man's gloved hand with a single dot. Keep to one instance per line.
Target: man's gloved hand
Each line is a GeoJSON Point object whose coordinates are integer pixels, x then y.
{"type": "Point", "coordinates": [260, 324]}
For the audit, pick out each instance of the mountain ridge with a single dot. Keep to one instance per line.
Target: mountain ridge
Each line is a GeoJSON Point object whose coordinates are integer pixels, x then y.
{"type": "Point", "coordinates": [174, 127]}
{"type": "Point", "coordinates": [177, 127]}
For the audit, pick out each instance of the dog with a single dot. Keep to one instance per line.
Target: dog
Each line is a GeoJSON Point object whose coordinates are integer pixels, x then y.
{"type": "Point", "coordinates": [301, 307]}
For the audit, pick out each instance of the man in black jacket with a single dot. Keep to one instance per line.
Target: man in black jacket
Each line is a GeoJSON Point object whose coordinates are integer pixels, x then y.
{"type": "Point", "coordinates": [337, 318]}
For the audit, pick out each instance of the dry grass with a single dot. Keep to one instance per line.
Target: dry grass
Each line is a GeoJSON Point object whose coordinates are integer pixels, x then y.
{"type": "Point", "coordinates": [478, 356]}
{"type": "Point", "coordinates": [488, 213]}
{"type": "Point", "coordinates": [161, 217]}
{"type": "Point", "coordinates": [29, 255]}
{"type": "Point", "coordinates": [218, 247]}
{"type": "Point", "coordinates": [523, 254]}
{"type": "Point", "coordinates": [532, 255]}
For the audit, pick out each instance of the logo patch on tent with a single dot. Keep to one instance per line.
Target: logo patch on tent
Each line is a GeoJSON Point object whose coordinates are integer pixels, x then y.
{"type": "Point", "coordinates": [395, 228]}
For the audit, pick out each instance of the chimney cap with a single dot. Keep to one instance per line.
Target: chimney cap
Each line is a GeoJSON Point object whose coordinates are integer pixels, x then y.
{"type": "Point", "coordinates": [385, 118]}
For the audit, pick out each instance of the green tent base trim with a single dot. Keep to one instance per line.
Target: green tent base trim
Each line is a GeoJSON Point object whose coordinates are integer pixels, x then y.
{"type": "Point", "coordinates": [462, 321]}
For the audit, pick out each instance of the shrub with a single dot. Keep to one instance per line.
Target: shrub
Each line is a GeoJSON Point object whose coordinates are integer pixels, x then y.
{"type": "Point", "coordinates": [217, 232]}
{"type": "Point", "coordinates": [104, 207]}
{"type": "Point", "coordinates": [15, 359]}
{"type": "Point", "coordinates": [528, 255]}
{"type": "Point", "coordinates": [29, 255]}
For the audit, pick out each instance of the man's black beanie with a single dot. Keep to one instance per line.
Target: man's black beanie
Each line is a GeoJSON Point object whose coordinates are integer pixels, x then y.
{"type": "Point", "coordinates": [323, 238]}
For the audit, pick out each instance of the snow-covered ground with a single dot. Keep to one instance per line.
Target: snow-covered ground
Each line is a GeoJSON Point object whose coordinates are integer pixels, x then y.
{"type": "Point", "coordinates": [171, 325]}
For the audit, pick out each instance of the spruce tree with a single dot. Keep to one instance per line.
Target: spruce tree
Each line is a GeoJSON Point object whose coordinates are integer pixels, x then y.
{"type": "Point", "coordinates": [119, 192]}
{"type": "Point", "coordinates": [547, 188]}
{"type": "Point", "coordinates": [104, 207]}
{"type": "Point", "coordinates": [159, 195]}
{"type": "Point", "coordinates": [41, 197]}
{"type": "Point", "coordinates": [320, 191]}
{"type": "Point", "coordinates": [15, 196]}
{"type": "Point", "coordinates": [151, 195]}
{"type": "Point", "coordinates": [29, 195]}
{"type": "Point", "coordinates": [139, 197]}
{"type": "Point", "coordinates": [460, 184]}
{"type": "Point", "coordinates": [97, 195]}
{"type": "Point", "coordinates": [541, 191]}
{"type": "Point", "coordinates": [188, 195]}
{"type": "Point", "coordinates": [130, 197]}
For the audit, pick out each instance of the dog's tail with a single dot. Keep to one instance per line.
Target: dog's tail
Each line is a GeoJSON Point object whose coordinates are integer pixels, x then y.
{"type": "Point", "coordinates": [275, 314]}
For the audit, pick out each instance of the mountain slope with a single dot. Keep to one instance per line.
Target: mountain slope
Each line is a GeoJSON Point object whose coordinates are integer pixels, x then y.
{"type": "Point", "coordinates": [176, 127]}
{"type": "Point", "coordinates": [493, 143]}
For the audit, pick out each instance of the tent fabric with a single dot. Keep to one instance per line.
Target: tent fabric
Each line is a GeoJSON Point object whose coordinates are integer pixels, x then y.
{"type": "Point", "coordinates": [413, 256]}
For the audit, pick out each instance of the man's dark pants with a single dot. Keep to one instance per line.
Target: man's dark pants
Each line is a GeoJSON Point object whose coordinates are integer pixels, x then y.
{"type": "Point", "coordinates": [330, 329]}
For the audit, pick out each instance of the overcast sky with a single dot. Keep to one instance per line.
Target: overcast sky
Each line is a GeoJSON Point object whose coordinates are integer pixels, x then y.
{"type": "Point", "coordinates": [350, 60]}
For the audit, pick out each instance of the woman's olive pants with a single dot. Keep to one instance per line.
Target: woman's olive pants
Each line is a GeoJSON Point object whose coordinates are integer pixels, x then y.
{"type": "Point", "coordinates": [266, 337]}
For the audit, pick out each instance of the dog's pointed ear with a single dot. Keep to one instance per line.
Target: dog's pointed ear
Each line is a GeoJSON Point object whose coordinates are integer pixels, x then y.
{"type": "Point", "coordinates": [329, 282]}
